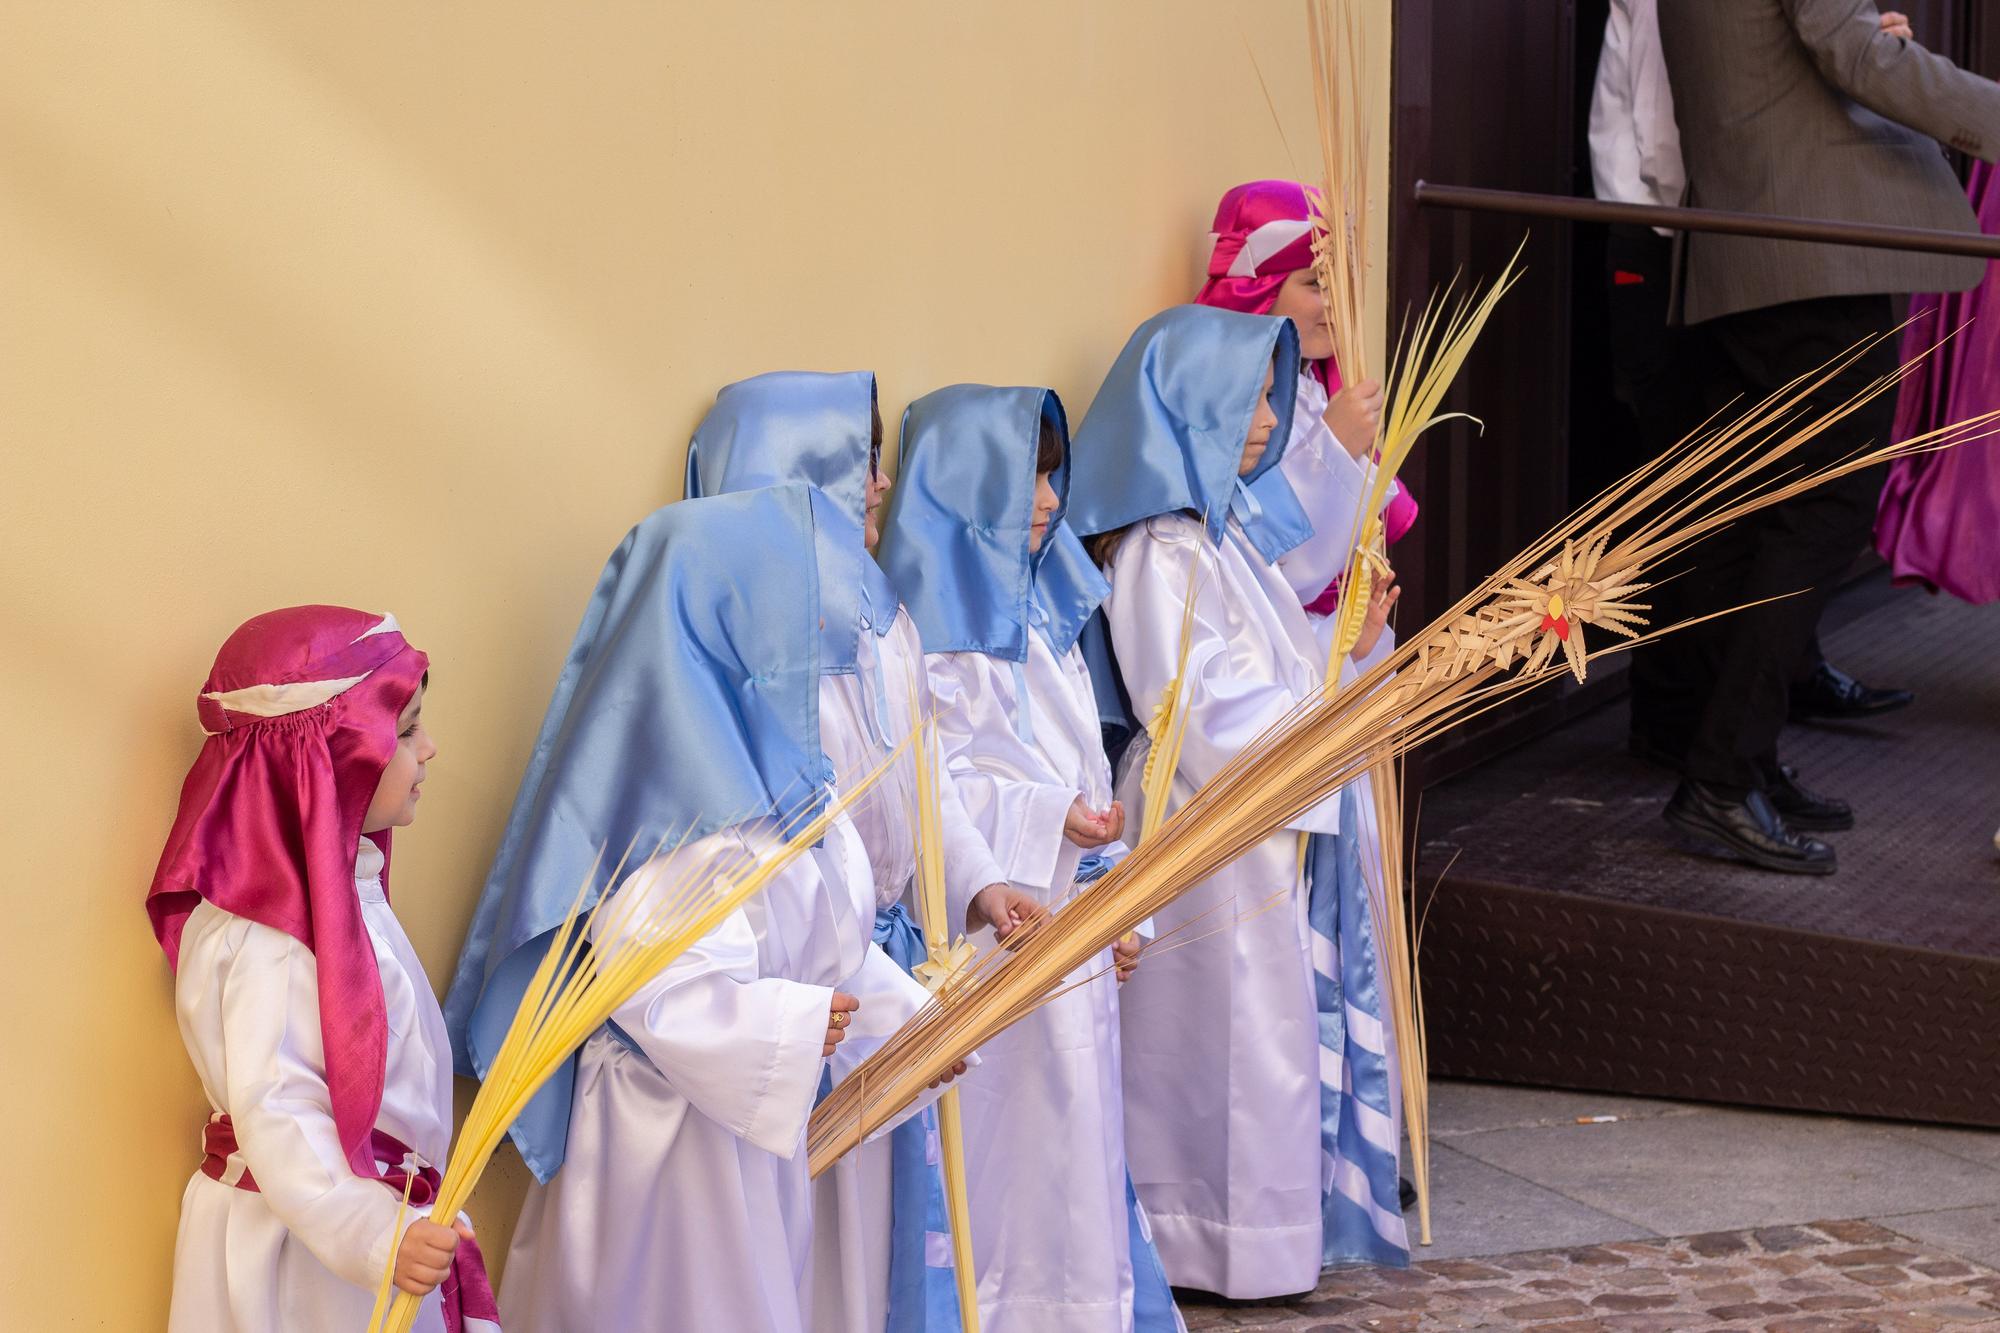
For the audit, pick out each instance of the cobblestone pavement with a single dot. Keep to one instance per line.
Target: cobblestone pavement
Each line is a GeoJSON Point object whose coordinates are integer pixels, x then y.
{"type": "Point", "coordinates": [1825, 1277]}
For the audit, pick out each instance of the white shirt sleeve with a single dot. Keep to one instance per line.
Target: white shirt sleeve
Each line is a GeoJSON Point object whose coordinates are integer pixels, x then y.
{"type": "Point", "coordinates": [1635, 143]}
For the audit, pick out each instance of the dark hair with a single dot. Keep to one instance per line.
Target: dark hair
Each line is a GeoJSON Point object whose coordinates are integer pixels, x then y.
{"type": "Point", "coordinates": [1105, 545]}
{"type": "Point", "coordinates": [875, 436]}
{"type": "Point", "coordinates": [1049, 448]}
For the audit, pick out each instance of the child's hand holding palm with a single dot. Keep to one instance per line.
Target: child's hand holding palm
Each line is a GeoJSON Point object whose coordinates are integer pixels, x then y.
{"type": "Point", "coordinates": [1381, 601]}
{"type": "Point", "coordinates": [424, 1255]}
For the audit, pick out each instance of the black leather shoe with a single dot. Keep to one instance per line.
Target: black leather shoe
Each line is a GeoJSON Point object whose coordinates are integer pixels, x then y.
{"type": "Point", "coordinates": [1804, 808]}
{"type": "Point", "coordinates": [1832, 693]}
{"type": "Point", "coordinates": [1750, 828]}
{"type": "Point", "coordinates": [1406, 1193]}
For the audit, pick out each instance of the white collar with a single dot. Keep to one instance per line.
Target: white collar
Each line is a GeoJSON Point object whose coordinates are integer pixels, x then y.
{"type": "Point", "coordinates": [368, 863]}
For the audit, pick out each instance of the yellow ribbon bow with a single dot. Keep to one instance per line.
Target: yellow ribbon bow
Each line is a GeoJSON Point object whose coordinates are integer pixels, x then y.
{"type": "Point", "coordinates": [944, 964]}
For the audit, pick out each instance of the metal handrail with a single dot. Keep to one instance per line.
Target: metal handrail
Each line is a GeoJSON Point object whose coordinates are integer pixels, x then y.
{"type": "Point", "coordinates": [1570, 209]}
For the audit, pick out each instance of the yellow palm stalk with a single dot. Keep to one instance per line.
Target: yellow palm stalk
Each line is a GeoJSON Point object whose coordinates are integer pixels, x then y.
{"type": "Point", "coordinates": [1403, 982]}
{"type": "Point", "coordinates": [1167, 729]}
{"type": "Point", "coordinates": [579, 984]}
{"type": "Point", "coordinates": [1525, 625]}
{"type": "Point", "coordinates": [1428, 358]}
{"type": "Point", "coordinates": [939, 972]}
{"type": "Point", "coordinates": [1342, 244]}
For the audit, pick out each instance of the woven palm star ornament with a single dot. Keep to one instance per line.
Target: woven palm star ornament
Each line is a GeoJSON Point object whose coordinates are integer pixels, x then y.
{"type": "Point", "coordinates": [1548, 610]}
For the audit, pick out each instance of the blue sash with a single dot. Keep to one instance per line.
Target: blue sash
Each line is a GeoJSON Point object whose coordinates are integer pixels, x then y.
{"type": "Point", "coordinates": [923, 1288]}
{"type": "Point", "coordinates": [1153, 1309]}
{"type": "Point", "coordinates": [1361, 1214]}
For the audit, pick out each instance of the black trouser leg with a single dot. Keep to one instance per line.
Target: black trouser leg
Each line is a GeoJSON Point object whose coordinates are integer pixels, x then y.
{"type": "Point", "coordinates": [1652, 375]}
{"type": "Point", "coordinates": [1811, 659]}
{"type": "Point", "coordinates": [1793, 551]}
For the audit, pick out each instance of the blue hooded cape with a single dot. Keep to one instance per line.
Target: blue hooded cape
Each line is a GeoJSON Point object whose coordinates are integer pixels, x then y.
{"type": "Point", "coordinates": [801, 425]}
{"type": "Point", "coordinates": [1166, 430]}
{"type": "Point", "coordinates": [793, 426]}
{"type": "Point", "coordinates": [955, 541]}
{"type": "Point", "coordinates": [1165, 435]}
{"type": "Point", "coordinates": [689, 703]}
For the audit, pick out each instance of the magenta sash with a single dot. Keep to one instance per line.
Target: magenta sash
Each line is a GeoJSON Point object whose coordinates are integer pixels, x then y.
{"type": "Point", "coordinates": [466, 1292]}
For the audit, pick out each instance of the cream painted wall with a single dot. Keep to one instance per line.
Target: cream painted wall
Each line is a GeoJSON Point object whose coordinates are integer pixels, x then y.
{"type": "Point", "coordinates": [413, 307]}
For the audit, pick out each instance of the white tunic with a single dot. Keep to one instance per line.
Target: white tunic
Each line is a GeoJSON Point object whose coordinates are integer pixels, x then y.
{"type": "Point", "coordinates": [1045, 1134]}
{"type": "Point", "coordinates": [684, 1200]}
{"type": "Point", "coordinates": [1221, 1048]}
{"type": "Point", "coordinates": [861, 716]}
{"type": "Point", "coordinates": [306, 1252]}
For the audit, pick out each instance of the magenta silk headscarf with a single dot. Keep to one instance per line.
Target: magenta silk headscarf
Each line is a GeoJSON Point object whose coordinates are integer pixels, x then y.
{"type": "Point", "coordinates": [300, 711]}
{"type": "Point", "coordinates": [1939, 520]}
{"type": "Point", "coordinates": [1262, 234]}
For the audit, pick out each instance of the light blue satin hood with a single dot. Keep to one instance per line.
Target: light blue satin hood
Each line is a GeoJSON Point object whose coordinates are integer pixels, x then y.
{"type": "Point", "coordinates": [689, 703]}
{"type": "Point", "coordinates": [801, 425]}
{"type": "Point", "coordinates": [955, 541]}
{"type": "Point", "coordinates": [1166, 430]}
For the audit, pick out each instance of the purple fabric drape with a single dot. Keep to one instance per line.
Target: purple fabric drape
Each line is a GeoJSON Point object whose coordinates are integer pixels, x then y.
{"type": "Point", "coordinates": [1939, 519]}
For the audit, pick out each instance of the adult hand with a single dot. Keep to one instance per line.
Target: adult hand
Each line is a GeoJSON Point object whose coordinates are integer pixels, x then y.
{"type": "Point", "coordinates": [1897, 25]}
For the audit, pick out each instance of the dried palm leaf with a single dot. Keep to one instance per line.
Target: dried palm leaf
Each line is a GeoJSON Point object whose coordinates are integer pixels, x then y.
{"type": "Point", "coordinates": [579, 984]}
{"type": "Point", "coordinates": [1481, 652]}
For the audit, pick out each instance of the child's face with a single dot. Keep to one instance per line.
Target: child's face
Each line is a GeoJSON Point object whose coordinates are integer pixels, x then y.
{"type": "Point", "coordinates": [1262, 423]}
{"type": "Point", "coordinates": [871, 519]}
{"type": "Point", "coordinates": [395, 803]}
{"type": "Point", "coordinates": [1045, 509]}
{"type": "Point", "coordinates": [1299, 301]}
{"type": "Point", "coordinates": [877, 490]}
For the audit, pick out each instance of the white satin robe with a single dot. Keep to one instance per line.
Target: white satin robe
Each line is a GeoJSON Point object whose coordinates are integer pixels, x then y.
{"type": "Point", "coordinates": [307, 1252]}
{"type": "Point", "coordinates": [1044, 1124]}
{"type": "Point", "coordinates": [683, 1201]}
{"type": "Point", "coordinates": [1221, 1046]}
{"type": "Point", "coordinates": [850, 1257]}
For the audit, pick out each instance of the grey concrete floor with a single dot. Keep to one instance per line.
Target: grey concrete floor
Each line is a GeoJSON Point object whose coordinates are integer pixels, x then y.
{"type": "Point", "coordinates": [1512, 1170]}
